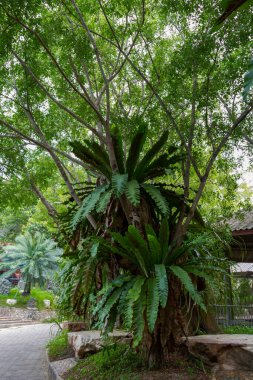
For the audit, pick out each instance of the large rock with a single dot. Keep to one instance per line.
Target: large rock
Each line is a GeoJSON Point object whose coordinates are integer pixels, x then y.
{"type": "Point", "coordinates": [231, 356]}
{"type": "Point", "coordinates": [84, 342]}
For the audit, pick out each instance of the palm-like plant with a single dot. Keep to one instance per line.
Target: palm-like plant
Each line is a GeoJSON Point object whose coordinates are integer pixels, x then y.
{"type": "Point", "coordinates": [36, 257]}
{"type": "Point", "coordinates": [132, 180]}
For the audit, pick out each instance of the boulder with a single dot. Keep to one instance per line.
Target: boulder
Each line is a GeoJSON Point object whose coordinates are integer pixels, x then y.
{"type": "Point", "coordinates": [84, 342]}
{"type": "Point", "coordinates": [231, 356]}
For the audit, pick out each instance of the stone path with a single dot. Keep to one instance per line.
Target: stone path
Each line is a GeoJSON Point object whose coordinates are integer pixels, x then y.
{"type": "Point", "coordinates": [22, 352]}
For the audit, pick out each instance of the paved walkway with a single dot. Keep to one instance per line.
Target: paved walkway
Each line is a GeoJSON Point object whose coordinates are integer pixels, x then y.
{"type": "Point", "coordinates": [22, 352]}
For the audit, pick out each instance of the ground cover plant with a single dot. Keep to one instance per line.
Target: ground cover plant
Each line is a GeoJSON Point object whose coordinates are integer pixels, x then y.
{"type": "Point", "coordinates": [58, 347]}
{"type": "Point", "coordinates": [134, 108]}
{"type": "Point", "coordinates": [121, 362]}
{"type": "Point", "coordinates": [240, 329]}
{"type": "Point", "coordinates": [38, 294]}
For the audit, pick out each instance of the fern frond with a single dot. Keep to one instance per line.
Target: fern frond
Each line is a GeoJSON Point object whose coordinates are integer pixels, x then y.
{"type": "Point", "coordinates": [164, 235]}
{"type": "Point", "coordinates": [162, 283]}
{"type": "Point", "coordinates": [188, 284]}
{"type": "Point", "coordinates": [135, 149]}
{"type": "Point", "coordinates": [88, 205]}
{"type": "Point", "coordinates": [131, 297]}
{"type": "Point", "coordinates": [104, 201]}
{"type": "Point", "coordinates": [134, 293]}
{"type": "Point", "coordinates": [112, 300]}
{"type": "Point", "coordinates": [119, 182]}
{"type": "Point", "coordinates": [133, 192]}
{"type": "Point", "coordinates": [152, 303]}
{"type": "Point", "coordinates": [156, 195]}
{"type": "Point", "coordinates": [118, 148]}
{"type": "Point", "coordinates": [138, 318]}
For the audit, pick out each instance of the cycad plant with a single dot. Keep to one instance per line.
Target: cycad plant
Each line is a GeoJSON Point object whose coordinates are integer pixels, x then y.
{"type": "Point", "coordinates": [36, 257]}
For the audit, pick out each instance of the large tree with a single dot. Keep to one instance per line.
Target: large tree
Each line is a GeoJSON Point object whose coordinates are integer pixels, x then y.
{"type": "Point", "coordinates": [105, 73]}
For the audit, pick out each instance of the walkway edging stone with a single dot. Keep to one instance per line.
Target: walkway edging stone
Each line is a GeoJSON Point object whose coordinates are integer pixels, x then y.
{"type": "Point", "coordinates": [53, 367]}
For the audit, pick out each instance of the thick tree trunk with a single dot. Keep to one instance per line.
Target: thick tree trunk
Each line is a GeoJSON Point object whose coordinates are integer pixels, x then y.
{"type": "Point", "coordinates": [175, 321]}
{"type": "Point", "coordinates": [27, 290]}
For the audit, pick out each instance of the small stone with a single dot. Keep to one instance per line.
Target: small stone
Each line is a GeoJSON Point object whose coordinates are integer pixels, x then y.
{"type": "Point", "coordinates": [11, 302]}
{"type": "Point", "coordinates": [46, 303]}
{"type": "Point", "coordinates": [31, 303]}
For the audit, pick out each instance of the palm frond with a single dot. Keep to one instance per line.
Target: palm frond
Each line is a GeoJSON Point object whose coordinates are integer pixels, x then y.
{"type": "Point", "coordinates": [118, 148]}
{"type": "Point", "coordinates": [135, 149]}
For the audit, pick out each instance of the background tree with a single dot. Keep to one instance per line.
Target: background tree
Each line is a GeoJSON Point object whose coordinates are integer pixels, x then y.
{"type": "Point", "coordinates": [35, 256]}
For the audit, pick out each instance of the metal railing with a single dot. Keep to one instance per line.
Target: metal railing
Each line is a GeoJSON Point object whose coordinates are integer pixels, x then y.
{"type": "Point", "coordinates": [227, 315]}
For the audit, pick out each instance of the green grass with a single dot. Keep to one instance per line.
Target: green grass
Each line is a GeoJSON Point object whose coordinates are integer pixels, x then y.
{"type": "Point", "coordinates": [36, 293]}
{"type": "Point", "coordinates": [58, 347]}
{"type": "Point", "coordinates": [242, 329]}
{"type": "Point", "coordinates": [117, 362]}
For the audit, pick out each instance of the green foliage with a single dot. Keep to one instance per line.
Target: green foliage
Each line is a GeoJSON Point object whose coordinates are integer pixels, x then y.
{"type": "Point", "coordinates": [114, 362]}
{"type": "Point", "coordinates": [58, 347]}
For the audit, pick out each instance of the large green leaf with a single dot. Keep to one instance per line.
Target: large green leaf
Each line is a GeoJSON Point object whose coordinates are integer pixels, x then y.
{"type": "Point", "coordinates": [152, 303]}
{"type": "Point", "coordinates": [138, 318]}
{"type": "Point", "coordinates": [133, 192]}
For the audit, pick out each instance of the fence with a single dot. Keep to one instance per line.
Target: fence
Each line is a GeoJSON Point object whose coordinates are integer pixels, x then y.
{"type": "Point", "coordinates": [227, 315]}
